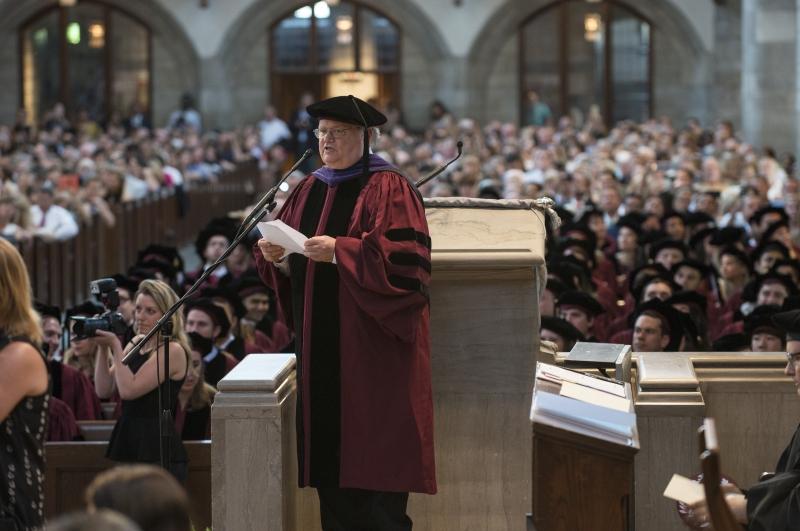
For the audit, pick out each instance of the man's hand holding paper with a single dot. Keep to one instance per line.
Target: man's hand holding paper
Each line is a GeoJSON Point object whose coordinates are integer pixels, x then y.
{"type": "Point", "coordinates": [277, 234]}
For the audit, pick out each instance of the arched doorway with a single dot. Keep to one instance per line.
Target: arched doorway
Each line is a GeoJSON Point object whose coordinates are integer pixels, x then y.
{"type": "Point", "coordinates": [330, 48]}
{"type": "Point", "coordinates": [577, 54]}
{"type": "Point", "coordinates": [90, 56]}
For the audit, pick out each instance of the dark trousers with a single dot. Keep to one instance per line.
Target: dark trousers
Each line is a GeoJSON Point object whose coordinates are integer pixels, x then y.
{"type": "Point", "coordinates": [363, 510]}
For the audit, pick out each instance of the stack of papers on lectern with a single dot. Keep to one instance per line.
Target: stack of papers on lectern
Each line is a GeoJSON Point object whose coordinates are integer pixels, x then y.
{"type": "Point", "coordinates": [585, 404]}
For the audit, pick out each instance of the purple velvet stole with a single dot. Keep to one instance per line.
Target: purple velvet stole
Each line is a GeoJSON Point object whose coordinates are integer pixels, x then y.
{"type": "Point", "coordinates": [333, 177]}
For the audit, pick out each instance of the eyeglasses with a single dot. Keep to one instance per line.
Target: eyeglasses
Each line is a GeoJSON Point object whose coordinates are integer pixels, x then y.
{"type": "Point", "coordinates": [793, 357]}
{"type": "Point", "coordinates": [337, 133]}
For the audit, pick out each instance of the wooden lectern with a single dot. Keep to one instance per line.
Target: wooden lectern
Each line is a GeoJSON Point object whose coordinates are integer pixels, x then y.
{"type": "Point", "coordinates": [583, 461]}
{"type": "Point", "coordinates": [488, 272]}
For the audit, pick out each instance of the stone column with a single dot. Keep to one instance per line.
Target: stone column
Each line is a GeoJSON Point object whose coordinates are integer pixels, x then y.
{"type": "Point", "coordinates": [253, 464]}
{"type": "Point", "coordinates": [769, 78]}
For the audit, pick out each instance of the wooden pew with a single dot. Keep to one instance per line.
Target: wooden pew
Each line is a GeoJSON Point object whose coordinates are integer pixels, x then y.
{"type": "Point", "coordinates": [754, 405]}
{"type": "Point", "coordinates": [96, 430]}
{"type": "Point", "coordinates": [60, 271]}
{"type": "Point", "coordinates": [71, 466]}
{"type": "Point", "coordinates": [721, 517]}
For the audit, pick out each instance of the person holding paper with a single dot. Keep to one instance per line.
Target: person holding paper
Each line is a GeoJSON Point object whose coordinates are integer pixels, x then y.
{"type": "Point", "coordinates": [357, 300]}
{"type": "Point", "coordinates": [773, 504]}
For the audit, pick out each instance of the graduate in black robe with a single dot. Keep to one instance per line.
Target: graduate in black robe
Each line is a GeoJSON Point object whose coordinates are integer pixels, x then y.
{"type": "Point", "coordinates": [773, 504]}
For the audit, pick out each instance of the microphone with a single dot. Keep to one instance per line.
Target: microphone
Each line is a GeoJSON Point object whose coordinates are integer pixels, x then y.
{"type": "Point", "coordinates": [264, 205]}
{"type": "Point", "coordinates": [270, 195]}
{"type": "Point", "coordinates": [439, 170]}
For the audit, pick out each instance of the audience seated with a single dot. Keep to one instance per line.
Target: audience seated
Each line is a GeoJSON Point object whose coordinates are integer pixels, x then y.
{"type": "Point", "coordinates": [146, 494]}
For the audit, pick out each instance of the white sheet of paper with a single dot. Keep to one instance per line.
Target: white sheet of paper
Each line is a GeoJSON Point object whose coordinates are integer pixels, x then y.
{"type": "Point", "coordinates": [587, 381]}
{"type": "Point", "coordinates": [279, 233]}
{"type": "Point", "coordinates": [593, 396]}
{"type": "Point", "coordinates": [684, 490]}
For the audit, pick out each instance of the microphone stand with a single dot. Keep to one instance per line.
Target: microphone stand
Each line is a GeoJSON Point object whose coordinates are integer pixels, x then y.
{"type": "Point", "coordinates": [165, 404]}
{"type": "Point", "coordinates": [265, 205]}
{"type": "Point", "coordinates": [439, 170]}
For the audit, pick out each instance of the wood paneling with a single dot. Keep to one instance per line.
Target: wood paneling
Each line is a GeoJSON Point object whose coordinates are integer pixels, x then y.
{"type": "Point", "coordinates": [72, 466]}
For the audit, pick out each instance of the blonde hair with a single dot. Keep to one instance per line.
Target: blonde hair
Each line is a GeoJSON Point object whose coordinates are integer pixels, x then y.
{"type": "Point", "coordinates": [164, 297]}
{"type": "Point", "coordinates": [17, 316]}
{"type": "Point", "coordinates": [85, 364]}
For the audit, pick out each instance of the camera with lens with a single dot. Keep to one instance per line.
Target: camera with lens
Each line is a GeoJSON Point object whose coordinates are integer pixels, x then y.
{"type": "Point", "coordinates": [105, 289]}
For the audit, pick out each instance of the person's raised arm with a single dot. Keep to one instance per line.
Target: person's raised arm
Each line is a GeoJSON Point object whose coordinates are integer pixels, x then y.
{"type": "Point", "coordinates": [103, 373]}
{"type": "Point", "coordinates": [150, 375]}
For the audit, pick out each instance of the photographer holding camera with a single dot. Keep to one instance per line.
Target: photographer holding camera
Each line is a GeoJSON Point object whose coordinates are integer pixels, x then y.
{"type": "Point", "coordinates": [142, 382]}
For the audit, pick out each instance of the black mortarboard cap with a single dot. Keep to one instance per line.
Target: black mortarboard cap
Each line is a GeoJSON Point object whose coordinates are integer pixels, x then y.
{"type": "Point", "coordinates": [569, 270]}
{"type": "Point", "coordinates": [158, 264]}
{"type": "Point", "coordinates": [639, 276]}
{"type": "Point", "coordinates": [163, 253]}
{"type": "Point", "coordinates": [556, 286]}
{"type": "Point", "coordinates": [673, 214]}
{"type": "Point", "coordinates": [760, 321]}
{"type": "Point", "coordinates": [248, 285]}
{"type": "Point", "coordinates": [689, 297]}
{"type": "Point", "coordinates": [216, 227]}
{"type": "Point", "coordinates": [46, 310]}
{"type": "Point", "coordinates": [694, 264]}
{"type": "Point", "coordinates": [769, 246]}
{"type": "Point", "coordinates": [650, 236]}
{"type": "Point", "coordinates": [773, 277]}
{"type": "Point", "coordinates": [697, 218]}
{"type": "Point", "coordinates": [787, 262]}
{"type": "Point", "coordinates": [126, 283]}
{"type": "Point", "coordinates": [772, 229]}
{"type": "Point", "coordinates": [586, 246]}
{"type": "Point", "coordinates": [701, 235]}
{"type": "Point", "coordinates": [562, 327]}
{"type": "Point", "coordinates": [731, 343]}
{"type": "Point", "coordinates": [632, 221]}
{"type": "Point", "coordinates": [346, 109]}
{"type": "Point", "coordinates": [737, 253]}
{"type": "Point", "coordinates": [789, 322]}
{"type": "Point", "coordinates": [214, 311]}
{"type": "Point", "coordinates": [582, 300]}
{"type": "Point", "coordinates": [727, 236]}
{"type": "Point", "coordinates": [568, 229]}
{"type": "Point", "coordinates": [667, 244]}
{"type": "Point", "coordinates": [227, 295]}
{"type": "Point", "coordinates": [565, 215]}
{"type": "Point", "coordinates": [589, 213]}
{"type": "Point", "coordinates": [768, 209]}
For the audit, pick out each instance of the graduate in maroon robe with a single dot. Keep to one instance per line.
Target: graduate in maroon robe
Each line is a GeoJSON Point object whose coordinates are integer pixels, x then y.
{"type": "Point", "coordinates": [76, 390]}
{"type": "Point", "coordinates": [357, 302]}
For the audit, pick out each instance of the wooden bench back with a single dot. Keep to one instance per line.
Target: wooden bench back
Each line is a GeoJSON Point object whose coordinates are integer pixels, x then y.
{"type": "Point", "coordinates": [721, 517]}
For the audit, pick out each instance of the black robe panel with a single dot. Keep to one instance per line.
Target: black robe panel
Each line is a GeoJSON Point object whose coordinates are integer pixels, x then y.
{"type": "Point", "coordinates": [774, 505]}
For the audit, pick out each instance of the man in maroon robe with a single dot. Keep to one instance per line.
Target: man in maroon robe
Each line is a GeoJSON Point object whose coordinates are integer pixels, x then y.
{"type": "Point", "coordinates": [357, 301]}
{"type": "Point", "coordinates": [66, 383]}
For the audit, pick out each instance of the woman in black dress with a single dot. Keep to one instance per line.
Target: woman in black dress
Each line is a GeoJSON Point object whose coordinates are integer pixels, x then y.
{"type": "Point", "coordinates": [135, 438]}
{"type": "Point", "coordinates": [23, 400]}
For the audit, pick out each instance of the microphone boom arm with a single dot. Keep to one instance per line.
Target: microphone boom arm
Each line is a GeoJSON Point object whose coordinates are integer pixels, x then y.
{"type": "Point", "coordinates": [439, 170]}
{"type": "Point", "coordinates": [265, 205]}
